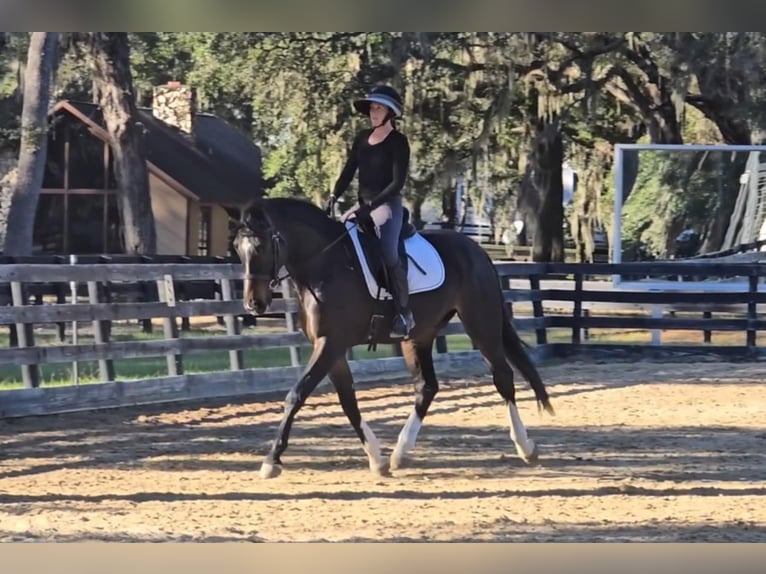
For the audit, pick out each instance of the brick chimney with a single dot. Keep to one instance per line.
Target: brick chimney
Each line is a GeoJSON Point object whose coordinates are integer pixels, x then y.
{"type": "Point", "coordinates": [175, 104]}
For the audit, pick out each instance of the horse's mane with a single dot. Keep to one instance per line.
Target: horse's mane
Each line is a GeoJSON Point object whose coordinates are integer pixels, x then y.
{"type": "Point", "coordinates": [302, 212]}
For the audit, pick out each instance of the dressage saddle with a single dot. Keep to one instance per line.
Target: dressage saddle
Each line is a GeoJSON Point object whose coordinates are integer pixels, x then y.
{"type": "Point", "coordinates": [374, 254]}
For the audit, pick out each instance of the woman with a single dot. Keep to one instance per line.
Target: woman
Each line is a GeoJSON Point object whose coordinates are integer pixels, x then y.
{"type": "Point", "coordinates": [381, 155]}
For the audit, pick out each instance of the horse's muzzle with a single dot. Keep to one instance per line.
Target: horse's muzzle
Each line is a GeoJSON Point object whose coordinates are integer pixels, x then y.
{"type": "Point", "coordinates": [256, 307]}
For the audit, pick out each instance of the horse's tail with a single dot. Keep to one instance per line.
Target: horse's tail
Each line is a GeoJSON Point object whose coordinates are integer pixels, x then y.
{"type": "Point", "coordinates": [516, 353]}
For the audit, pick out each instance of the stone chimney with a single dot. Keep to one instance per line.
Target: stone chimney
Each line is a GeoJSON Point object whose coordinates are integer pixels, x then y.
{"type": "Point", "coordinates": [175, 104]}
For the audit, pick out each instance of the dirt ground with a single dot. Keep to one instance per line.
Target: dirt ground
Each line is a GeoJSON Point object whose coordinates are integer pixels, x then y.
{"type": "Point", "coordinates": [636, 452]}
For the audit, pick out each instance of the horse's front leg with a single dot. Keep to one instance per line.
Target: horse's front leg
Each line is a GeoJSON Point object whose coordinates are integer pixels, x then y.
{"type": "Point", "coordinates": [342, 380]}
{"type": "Point", "coordinates": [322, 358]}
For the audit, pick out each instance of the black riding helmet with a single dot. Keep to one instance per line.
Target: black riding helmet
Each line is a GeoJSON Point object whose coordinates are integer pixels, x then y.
{"type": "Point", "coordinates": [385, 95]}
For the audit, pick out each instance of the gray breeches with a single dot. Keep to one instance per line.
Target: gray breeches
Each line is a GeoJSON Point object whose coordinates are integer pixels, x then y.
{"type": "Point", "coordinates": [388, 218]}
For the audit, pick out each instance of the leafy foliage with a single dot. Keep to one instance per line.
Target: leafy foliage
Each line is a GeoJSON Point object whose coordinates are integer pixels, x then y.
{"type": "Point", "coordinates": [473, 102]}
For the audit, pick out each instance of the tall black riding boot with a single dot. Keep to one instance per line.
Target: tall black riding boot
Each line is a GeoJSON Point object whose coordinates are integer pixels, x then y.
{"type": "Point", "coordinates": [403, 320]}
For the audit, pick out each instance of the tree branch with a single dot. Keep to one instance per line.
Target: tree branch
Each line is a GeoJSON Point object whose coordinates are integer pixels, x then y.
{"type": "Point", "coordinates": [632, 91]}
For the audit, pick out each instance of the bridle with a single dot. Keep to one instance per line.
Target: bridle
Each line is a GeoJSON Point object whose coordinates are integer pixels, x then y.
{"type": "Point", "coordinates": [279, 251]}
{"type": "Point", "coordinates": [276, 257]}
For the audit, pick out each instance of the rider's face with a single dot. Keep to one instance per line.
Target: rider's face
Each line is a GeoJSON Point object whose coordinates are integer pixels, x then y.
{"type": "Point", "coordinates": [377, 113]}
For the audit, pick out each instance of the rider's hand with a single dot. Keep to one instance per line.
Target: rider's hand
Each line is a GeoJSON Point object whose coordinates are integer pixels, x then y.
{"type": "Point", "coordinates": [364, 212]}
{"type": "Point", "coordinates": [364, 219]}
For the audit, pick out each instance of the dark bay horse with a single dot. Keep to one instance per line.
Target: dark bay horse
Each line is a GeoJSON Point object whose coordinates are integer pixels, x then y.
{"type": "Point", "coordinates": [336, 307]}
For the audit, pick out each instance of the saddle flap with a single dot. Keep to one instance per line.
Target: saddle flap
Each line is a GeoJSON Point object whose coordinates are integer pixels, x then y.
{"type": "Point", "coordinates": [427, 272]}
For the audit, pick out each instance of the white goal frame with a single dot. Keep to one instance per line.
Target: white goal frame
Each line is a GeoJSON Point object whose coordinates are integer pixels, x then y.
{"type": "Point", "coordinates": [616, 246]}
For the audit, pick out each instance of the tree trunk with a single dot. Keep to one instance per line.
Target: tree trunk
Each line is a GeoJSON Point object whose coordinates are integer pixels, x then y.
{"type": "Point", "coordinates": [114, 90]}
{"type": "Point", "coordinates": [542, 195]}
{"type": "Point", "coordinates": [416, 217]}
{"type": "Point", "coordinates": [662, 124]}
{"type": "Point", "coordinates": [449, 203]}
{"type": "Point", "coordinates": [419, 190]}
{"type": "Point", "coordinates": [41, 59]}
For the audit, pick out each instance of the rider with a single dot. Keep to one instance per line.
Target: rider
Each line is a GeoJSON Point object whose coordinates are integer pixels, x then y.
{"type": "Point", "coordinates": [381, 154]}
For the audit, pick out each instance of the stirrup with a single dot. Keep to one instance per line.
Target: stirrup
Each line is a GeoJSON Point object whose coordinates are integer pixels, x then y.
{"type": "Point", "coordinates": [401, 320]}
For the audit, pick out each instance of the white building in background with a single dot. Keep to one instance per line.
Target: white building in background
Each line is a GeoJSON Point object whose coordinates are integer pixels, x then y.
{"type": "Point", "coordinates": [569, 180]}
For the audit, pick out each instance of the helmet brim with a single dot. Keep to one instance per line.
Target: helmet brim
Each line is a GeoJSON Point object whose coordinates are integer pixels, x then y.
{"type": "Point", "coordinates": [363, 106]}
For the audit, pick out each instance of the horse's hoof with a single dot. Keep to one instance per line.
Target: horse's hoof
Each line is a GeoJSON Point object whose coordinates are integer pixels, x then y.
{"type": "Point", "coordinates": [532, 453]}
{"type": "Point", "coordinates": [269, 470]}
{"type": "Point", "coordinates": [397, 461]}
{"type": "Point", "coordinates": [381, 470]}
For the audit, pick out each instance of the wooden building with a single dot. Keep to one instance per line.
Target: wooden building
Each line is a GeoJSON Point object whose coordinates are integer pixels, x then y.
{"type": "Point", "coordinates": [197, 164]}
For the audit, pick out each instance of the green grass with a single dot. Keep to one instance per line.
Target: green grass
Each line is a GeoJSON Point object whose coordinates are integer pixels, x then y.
{"type": "Point", "coordinates": [202, 362]}
{"type": "Point", "coordinates": [60, 374]}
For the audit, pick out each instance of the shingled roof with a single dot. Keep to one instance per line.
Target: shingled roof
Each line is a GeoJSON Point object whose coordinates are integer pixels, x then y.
{"type": "Point", "coordinates": [218, 165]}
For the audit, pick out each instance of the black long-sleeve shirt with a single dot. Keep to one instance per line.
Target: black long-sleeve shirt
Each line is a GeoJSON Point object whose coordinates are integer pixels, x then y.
{"type": "Point", "coordinates": [382, 167]}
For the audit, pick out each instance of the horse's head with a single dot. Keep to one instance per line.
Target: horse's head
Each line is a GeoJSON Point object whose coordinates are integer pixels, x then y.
{"type": "Point", "coordinates": [261, 250]}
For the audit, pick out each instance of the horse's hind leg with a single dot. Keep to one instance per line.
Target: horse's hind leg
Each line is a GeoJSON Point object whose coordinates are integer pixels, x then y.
{"type": "Point", "coordinates": [342, 380]}
{"type": "Point", "coordinates": [322, 358]}
{"type": "Point", "coordinates": [487, 335]}
{"type": "Point", "coordinates": [419, 360]}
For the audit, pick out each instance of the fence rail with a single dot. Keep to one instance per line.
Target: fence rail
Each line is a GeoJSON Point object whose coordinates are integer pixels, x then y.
{"type": "Point", "coordinates": [544, 299]}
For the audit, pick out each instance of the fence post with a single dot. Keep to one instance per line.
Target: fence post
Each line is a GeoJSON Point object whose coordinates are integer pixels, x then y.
{"type": "Point", "coordinates": [707, 333]}
{"type": "Point", "coordinates": [506, 286]}
{"type": "Point", "coordinates": [146, 295]}
{"type": "Point", "coordinates": [577, 310]}
{"type": "Point", "coordinates": [537, 308]}
{"type": "Point", "coordinates": [236, 357]}
{"type": "Point", "coordinates": [166, 294]}
{"type": "Point", "coordinates": [752, 315]}
{"type": "Point", "coordinates": [291, 322]}
{"type": "Point", "coordinates": [25, 334]}
{"type": "Point", "coordinates": [73, 293]}
{"type": "Point", "coordinates": [657, 312]}
{"type": "Point", "coordinates": [60, 300]}
{"type": "Point", "coordinates": [105, 366]}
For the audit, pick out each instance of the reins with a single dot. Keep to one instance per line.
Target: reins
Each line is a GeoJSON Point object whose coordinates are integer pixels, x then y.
{"type": "Point", "coordinates": [276, 238]}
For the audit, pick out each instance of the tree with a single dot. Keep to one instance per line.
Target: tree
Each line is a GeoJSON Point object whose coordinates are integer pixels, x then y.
{"type": "Point", "coordinates": [541, 198]}
{"type": "Point", "coordinates": [473, 105]}
{"type": "Point", "coordinates": [113, 83]}
{"type": "Point", "coordinates": [34, 140]}
{"type": "Point", "coordinates": [728, 76]}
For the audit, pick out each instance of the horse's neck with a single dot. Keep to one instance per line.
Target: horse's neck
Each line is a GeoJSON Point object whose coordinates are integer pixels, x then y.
{"type": "Point", "coordinates": [304, 245]}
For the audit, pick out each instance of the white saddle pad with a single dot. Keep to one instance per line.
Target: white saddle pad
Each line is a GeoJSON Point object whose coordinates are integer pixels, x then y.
{"type": "Point", "coordinates": [419, 250]}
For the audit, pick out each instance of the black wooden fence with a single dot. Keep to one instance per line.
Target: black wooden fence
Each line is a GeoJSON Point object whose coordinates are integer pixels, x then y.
{"type": "Point", "coordinates": [728, 302]}
{"type": "Point", "coordinates": [544, 299]}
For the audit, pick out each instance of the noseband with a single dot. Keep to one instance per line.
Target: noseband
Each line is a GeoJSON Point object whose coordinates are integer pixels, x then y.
{"type": "Point", "coordinates": [277, 254]}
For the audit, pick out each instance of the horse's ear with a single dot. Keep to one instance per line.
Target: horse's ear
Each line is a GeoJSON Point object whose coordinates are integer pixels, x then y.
{"type": "Point", "coordinates": [235, 213]}
{"type": "Point", "coordinates": [255, 212]}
